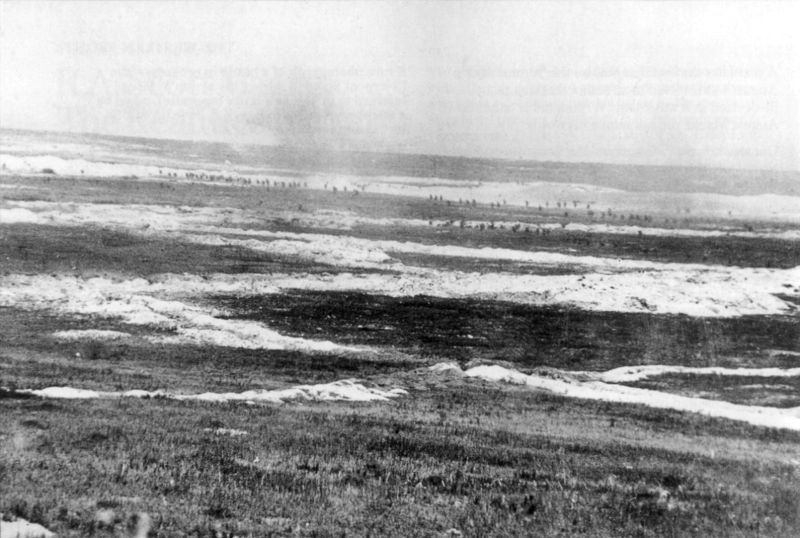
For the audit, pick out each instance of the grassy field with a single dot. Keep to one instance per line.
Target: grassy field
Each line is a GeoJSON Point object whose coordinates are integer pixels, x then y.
{"type": "Point", "coordinates": [464, 329]}
{"type": "Point", "coordinates": [480, 460]}
{"type": "Point", "coordinates": [455, 456]}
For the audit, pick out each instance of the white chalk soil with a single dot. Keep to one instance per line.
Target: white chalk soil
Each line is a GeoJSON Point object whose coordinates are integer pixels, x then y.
{"type": "Point", "coordinates": [20, 528]}
{"type": "Point", "coordinates": [346, 390]}
{"type": "Point", "coordinates": [630, 374]}
{"type": "Point", "coordinates": [172, 305]}
{"type": "Point", "coordinates": [604, 284]}
{"type": "Point", "coordinates": [91, 334]}
{"type": "Point", "coordinates": [230, 432]}
{"type": "Point", "coordinates": [568, 384]}
{"type": "Point", "coordinates": [174, 321]}
{"type": "Point", "coordinates": [767, 207]}
{"type": "Point", "coordinates": [580, 385]}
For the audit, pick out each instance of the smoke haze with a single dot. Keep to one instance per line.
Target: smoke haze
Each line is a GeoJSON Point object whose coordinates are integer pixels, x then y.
{"type": "Point", "coordinates": [707, 84]}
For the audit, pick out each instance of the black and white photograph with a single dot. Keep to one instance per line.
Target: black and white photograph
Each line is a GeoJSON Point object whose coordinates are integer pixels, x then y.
{"type": "Point", "coordinates": [399, 269]}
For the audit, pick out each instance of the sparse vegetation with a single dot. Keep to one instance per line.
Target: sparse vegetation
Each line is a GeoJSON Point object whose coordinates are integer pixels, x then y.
{"type": "Point", "coordinates": [362, 470]}
{"type": "Point", "coordinates": [456, 456]}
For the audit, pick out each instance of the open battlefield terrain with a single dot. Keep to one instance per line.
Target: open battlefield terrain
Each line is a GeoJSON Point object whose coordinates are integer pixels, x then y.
{"type": "Point", "coordinates": [208, 340]}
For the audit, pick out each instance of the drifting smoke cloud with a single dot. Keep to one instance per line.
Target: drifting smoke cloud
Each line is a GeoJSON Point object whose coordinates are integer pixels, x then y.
{"type": "Point", "coordinates": [303, 109]}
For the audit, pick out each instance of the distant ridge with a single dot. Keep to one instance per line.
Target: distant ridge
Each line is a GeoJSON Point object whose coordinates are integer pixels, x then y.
{"type": "Point", "coordinates": [629, 177]}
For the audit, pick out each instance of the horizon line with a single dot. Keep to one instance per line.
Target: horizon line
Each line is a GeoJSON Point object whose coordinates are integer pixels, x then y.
{"type": "Point", "coordinates": [406, 153]}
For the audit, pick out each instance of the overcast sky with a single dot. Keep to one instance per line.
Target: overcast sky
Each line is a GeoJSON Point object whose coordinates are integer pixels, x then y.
{"type": "Point", "coordinates": [714, 84]}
